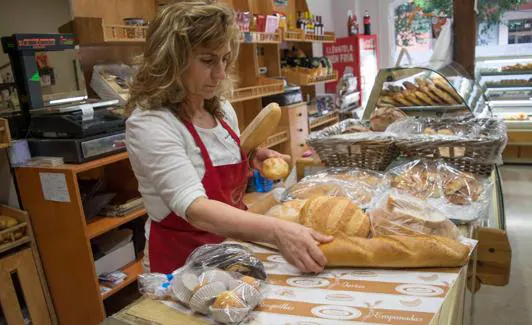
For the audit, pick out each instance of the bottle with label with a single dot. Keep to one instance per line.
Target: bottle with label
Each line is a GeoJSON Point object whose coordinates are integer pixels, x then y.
{"type": "Point", "coordinates": [319, 24]}
{"type": "Point", "coordinates": [298, 21]}
{"type": "Point", "coordinates": [303, 24]}
{"type": "Point", "coordinates": [352, 25]}
{"type": "Point", "coordinates": [367, 23]}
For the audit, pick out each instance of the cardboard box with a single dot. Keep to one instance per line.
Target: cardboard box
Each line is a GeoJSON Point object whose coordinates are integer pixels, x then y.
{"type": "Point", "coordinates": [116, 259]}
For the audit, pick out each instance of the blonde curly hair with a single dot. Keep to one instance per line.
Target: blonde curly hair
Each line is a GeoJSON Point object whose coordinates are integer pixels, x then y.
{"type": "Point", "coordinates": [178, 30]}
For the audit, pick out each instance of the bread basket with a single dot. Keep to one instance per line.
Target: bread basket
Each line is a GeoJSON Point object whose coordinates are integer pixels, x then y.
{"type": "Point", "coordinates": [476, 147]}
{"type": "Point", "coordinates": [369, 150]}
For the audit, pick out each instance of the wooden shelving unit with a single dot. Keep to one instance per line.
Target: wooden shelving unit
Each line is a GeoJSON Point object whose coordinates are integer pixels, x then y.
{"type": "Point", "coordinates": [304, 79]}
{"type": "Point", "coordinates": [277, 139]}
{"type": "Point", "coordinates": [5, 135]}
{"type": "Point", "coordinates": [64, 236]}
{"type": "Point", "coordinates": [300, 36]}
{"type": "Point", "coordinates": [95, 31]}
{"type": "Point", "coordinates": [133, 270]}
{"type": "Point", "coordinates": [260, 38]}
{"type": "Point", "coordinates": [101, 225]}
{"type": "Point", "coordinates": [266, 87]}
{"type": "Point", "coordinates": [331, 118]}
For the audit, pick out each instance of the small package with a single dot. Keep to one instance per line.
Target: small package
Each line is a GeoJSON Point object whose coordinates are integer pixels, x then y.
{"type": "Point", "coordinates": [222, 281]}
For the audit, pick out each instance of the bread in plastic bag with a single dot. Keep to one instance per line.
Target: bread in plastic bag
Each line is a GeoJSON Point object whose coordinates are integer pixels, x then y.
{"type": "Point", "coordinates": [288, 211]}
{"type": "Point", "coordinates": [458, 187]}
{"type": "Point", "coordinates": [359, 185]}
{"type": "Point", "coordinates": [216, 281]}
{"type": "Point", "coordinates": [403, 214]}
{"type": "Point", "coordinates": [417, 177]}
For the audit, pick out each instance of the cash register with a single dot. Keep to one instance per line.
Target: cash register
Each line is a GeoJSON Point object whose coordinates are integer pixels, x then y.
{"type": "Point", "coordinates": [57, 118]}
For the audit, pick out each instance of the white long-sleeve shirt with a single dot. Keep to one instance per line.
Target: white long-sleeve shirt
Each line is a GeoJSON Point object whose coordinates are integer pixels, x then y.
{"type": "Point", "coordinates": [168, 164]}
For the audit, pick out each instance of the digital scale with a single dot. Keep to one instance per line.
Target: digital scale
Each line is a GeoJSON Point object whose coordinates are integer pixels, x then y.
{"type": "Point", "coordinates": [66, 123]}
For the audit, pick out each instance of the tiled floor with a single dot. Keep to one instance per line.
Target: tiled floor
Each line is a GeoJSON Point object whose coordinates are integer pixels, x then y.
{"type": "Point", "coordinates": [512, 305]}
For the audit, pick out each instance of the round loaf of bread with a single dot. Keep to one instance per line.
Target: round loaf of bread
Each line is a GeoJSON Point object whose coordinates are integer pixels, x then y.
{"type": "Point", "coordinates": [275, 169]}
{"type": "Point", "coordinates": [335, 215]}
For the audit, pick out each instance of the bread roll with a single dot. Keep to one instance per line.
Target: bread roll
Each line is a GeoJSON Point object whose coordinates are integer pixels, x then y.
{"type": "Point", "coordinates": [288, 211]}
{"type": "Point", "coordinates": [335, 215]}
{"type": "Point", "coordinates": [395, 252]}
{"type": "Point", "coordinates": [275, 169]}
{"type": "Point", "coordinates": [7, 222]}
{"type": "Point", "coordinates": [461, 188]}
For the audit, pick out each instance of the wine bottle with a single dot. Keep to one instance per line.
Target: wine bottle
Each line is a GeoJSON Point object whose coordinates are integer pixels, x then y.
{"type": "Point", "coordinates": [367, 23]}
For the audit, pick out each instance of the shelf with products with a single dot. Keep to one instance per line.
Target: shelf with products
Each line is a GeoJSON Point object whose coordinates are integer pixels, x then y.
{"type": "Point", "coordinates": [307, 79]}
{"type": "Point", "coordinates": [265, 87]}
{"type": "Point", "coordinates": [276, 139]}
{"type": "Point", "coordinates": [132, 270]}
{"type": "Point", "coordinates": [295, 35]}
{"type": "Point", "coordinates": [260, 38]}
{"type": "Point", "coordinates": [101, 225]}
{"type": "Point", "coordinates": [94, 30]}
{"type": "Point", "coordinates": [316, 122]}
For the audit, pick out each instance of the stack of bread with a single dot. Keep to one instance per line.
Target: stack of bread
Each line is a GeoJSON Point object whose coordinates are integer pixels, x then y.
{"type": "Point", "coordinates": [402, 232]}
{"type": "Point", "coordinates": [7, 222]}
{"type": "Point", "coordinates": [355, 245]}
{"type": "Point", "coordinates": [434, 91]}
{"type": "Point", "coordinates": [360, 185]}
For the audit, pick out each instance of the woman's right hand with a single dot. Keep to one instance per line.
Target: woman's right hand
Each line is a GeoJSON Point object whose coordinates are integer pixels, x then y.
{"type": "Point", "coordinates": [299, 246]}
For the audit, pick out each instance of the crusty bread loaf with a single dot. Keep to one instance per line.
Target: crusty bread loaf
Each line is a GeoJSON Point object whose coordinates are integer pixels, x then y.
{"type": "Point", "coordinates": [395, 252]}
{"type": "Point", "coordinates": [335, 215]}
{"type": "Point", "coordinates": [288, 211]}
{"type": "Point", "coordinates": [262, 126]}
{"type": "Point", "coordinates": [275, 169]}
{"type": "Point", "coordinates": [306, 190]}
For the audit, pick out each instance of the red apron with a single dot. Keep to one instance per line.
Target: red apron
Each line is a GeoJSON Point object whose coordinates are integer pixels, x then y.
{"type": "Point", "coordinates": [173, 239]}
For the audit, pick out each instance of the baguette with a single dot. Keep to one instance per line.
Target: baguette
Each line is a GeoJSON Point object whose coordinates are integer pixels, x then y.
{"type": "Point", "coordinates": [262, 127]}
{"type": "Point", "coordinates": [395, 252]}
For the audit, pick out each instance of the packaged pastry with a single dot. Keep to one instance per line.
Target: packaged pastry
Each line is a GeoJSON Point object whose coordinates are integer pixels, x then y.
{"type": "Point", "coordinates": [207, 286]}
{"type": "Point", "coordinates": [359, 185]}
{"type": "Point", "coordinates": [384, 116]}
{"type": "Point", "coordinates": [417, 177]}
{"type": "Point", "coordinates": [458, 187]}
{"type": "Point", "coordinates": [403, 214]}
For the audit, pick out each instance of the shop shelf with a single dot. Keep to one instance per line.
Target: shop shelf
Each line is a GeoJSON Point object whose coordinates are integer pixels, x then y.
{"type": "Point", "coordinates": [508, 87]}
{"type": "Point", "coordinates": [22, 217]}
{"type": "Point", "coordinates": [260, 38]}
{"type": "Point", "coordinates": [5, 136]}
{"type": "Point", "coordinates": [276, 139]}
{"type": "Point", "coordinates": [266, 87]}
{"type": "Point", "coordinates": [300, 36]}
{"type": "Point", "coordinates": [133, 270]}
{"type": "Point", "coordinates": [505, 73]}
{"type": "Point", "coordinates": [101, 225]}
{"type": "Point", "coordinates": [124, 33]}
{"type": "Point", "coordinates": [94, 30]}
{"type": "Point", "coordinates": [305, 79]}
{"type": "Point", "coordinates": [326, 119]}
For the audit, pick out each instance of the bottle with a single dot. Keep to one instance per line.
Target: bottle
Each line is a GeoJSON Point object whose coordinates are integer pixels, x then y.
{"type": "Point", "coordinates": [303, 25]}
{"type": "Point", "coordinates": [356, 30]}
{"type": "Point", "coordinates": [367, 23]}
{"type": "Point", "coordinates": [299, 20]}
{"type": "Point", "coordinates": [311, 28]}
{"type": "Point", "coordinates": [349, 22]}
{"type": "Point", "coordinates": [319, 24]}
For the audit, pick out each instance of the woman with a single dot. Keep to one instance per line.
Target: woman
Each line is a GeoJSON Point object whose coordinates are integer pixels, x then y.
{"type": "Point", "coordinates": [183, 144]}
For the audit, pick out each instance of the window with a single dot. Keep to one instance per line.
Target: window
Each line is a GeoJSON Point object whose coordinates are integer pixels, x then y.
{"type": "Point", "coordinates": [520, 31]}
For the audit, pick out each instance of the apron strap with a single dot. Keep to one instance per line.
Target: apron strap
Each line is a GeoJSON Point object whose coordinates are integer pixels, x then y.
{"type": "Point", "coordinates": [204, 153]}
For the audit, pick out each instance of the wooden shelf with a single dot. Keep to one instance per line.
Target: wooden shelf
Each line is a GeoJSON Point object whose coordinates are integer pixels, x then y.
{"type": "Point", "coordinates": [300, 36]}
{"type": "Point", "coordinates": [276, 139]}
{"type": "Point", "coordinates": [80, 168]}
{"type": "Point", "coordinates": [133, 270]}
{"type": "Point", "coordinates": [304, 79]}
{"type": "Point", "coordinates": [260, 38]}
{"type": "Point", "coordinates": [326, 119]}
{"type": "Point", "coordinates": [94, 31]}
{"type": "Point", "coordinates": [266, 87]}
{"type": "Point", "coordinates": [5, 136]}
{"type": "Point", "coordinates": [101, 225]}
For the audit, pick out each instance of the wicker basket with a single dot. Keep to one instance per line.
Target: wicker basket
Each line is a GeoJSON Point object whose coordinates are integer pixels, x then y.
{"type": "Point", "coordinates": [370, 150]}
{"type": "Point", "coordinates": [477, 151]}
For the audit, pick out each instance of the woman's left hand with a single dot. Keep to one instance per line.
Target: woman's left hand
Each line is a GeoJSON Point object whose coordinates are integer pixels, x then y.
{"type": "Point", "coordinates": [262, 154]}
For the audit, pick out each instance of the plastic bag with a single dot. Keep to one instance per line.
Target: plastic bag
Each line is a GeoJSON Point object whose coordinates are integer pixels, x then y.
{"type": "Point", "coordinates": [288, 211]}
{"type": "Point", "coordinates": [403, 214]}
{"type": "Point", "coordinates": [215, 281]}
{"type": "Point", "coordinates": [359, 185]}
{"type": "Point", "coordinates": [418, 178]}
{"type": "Point", "coordinates": [463, 196]}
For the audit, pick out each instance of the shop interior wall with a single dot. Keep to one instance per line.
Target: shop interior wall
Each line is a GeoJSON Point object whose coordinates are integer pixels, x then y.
{"type": "Point", "coordinates": [29, 16]}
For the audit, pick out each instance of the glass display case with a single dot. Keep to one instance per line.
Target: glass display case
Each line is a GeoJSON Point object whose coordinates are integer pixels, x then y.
{"type": "Point", "coordinates": [427, 91]}
{"type": "Point", "coordinates": [508, 86]}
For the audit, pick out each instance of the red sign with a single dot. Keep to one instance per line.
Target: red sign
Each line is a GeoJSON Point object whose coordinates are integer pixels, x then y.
{"type": "Point", "coordinates": [342, 55]}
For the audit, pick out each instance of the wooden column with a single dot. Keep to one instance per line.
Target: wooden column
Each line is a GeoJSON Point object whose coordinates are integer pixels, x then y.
{"type": "Point", "coordinates": [465, 34]}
